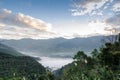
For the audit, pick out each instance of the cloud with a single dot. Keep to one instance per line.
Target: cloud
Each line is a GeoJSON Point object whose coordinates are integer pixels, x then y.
{"type": "Point", "coordinates": [109, 9]}
{"type": "Point", "coordinates": [17, 26]}
{"type": "Point", "coordinates": [2, 25]}
{"type": "Point", "coordinates": [116, 6]}
{"type": "Point", "coordinates": [21, 20]}
{"type": "Point", "coordinates": [114, 22]}
{"type": "Point", "coordinates": [97, 27]}
{"type": "Point", "coordinates": [91, 7]}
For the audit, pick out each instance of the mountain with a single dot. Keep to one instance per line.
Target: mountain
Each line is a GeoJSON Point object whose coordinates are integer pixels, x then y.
{"type": "Point", "coordinates": [9, 50]}
{"type": "Point", "coordinates": [12, 67]}
{"type": "Point", "coordinates": [59, 72]}
{"type": "Point", "coordinates": [56, 46]}
{"type": "Point", "coordinates": [16, 66]}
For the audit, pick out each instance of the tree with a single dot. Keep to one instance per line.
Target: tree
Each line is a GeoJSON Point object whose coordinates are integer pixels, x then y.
{"type": "Point", "coordinates": [110, 54]}
{"type": "Point", "coordinates": [80, 56]}
{"type": "Point", "coordinates": [94, 53]}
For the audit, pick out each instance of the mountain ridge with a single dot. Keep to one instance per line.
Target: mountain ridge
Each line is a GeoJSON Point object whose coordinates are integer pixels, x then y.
{"type": "Point", "coordinates": [9, 50]}
{"type": "Point", "coordinates": [55, 46]}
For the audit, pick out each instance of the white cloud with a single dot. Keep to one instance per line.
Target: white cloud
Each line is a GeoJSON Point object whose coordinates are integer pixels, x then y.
{"type": "Point", "coordinates": [7, 11]}
{"type": "Point", "coordinates": [116, 7]}
{"type": "Point", "coordinates": [2, 25]}
{"type": "Point", "coordinates": [92, 28]}
{"type": "Point", "coordinates": [114, 22]}
{"type": "Point", "coordinates": [91, 7]}
{"type": "Point", "coordinates": [21, 20]}
{"type": "Point", "coordinates": [97, 27]}
{"type": "Point", "coordinates": [107, 26]}
{"type": "Point", "coordinates": [17, 26]}
{"type": "Point", "coordinates": [32, 22]}
{"type": "Point", "coordinates": [105, 8]}
{"type": "Point", "coordinates": [54, 63]}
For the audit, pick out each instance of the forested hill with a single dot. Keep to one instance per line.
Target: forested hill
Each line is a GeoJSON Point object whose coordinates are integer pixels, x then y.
{"type": "Point", "coordinates": [8, 50]}
{"type": "Point", "coordinates": [14, 67]}
{"type": "Point", "coordinates": [103, 64]}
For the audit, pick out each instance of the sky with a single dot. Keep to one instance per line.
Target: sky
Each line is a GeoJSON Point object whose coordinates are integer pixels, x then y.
{"type": "Point", "coordinates": [43, 19]}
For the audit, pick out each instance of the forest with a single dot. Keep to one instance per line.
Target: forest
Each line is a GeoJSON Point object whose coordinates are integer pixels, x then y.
{"type": "Point", "coordinates": [102, 64]}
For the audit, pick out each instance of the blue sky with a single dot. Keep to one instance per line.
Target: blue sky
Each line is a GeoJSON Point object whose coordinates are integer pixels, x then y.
{"type": "Point", "coordinates": [57, 18]}
{"type": "Point", "coordinates": [44, 9]}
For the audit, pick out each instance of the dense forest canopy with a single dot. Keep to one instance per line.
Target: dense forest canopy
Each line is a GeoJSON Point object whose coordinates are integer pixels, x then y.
{"type": "Point", "coordinates": [14, 66]}
{"type": "Point", "coordinates": [103, 64]}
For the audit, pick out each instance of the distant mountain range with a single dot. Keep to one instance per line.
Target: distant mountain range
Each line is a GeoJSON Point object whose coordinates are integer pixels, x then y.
{"type": "Point", "coordinates": [58, 47]}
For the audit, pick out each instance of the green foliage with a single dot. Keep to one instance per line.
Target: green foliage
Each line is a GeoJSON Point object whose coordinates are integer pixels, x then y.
{"type": "Point", "coordinates": [80, 56]}
{"type": "Point", "coordinates": [104, 64]}
{"type": "Point", "coordinates": [110, 55]}
{"type": "Point", "coordinates": [95, 53]}
{"type": "Point", "coordinates": [22, 68]}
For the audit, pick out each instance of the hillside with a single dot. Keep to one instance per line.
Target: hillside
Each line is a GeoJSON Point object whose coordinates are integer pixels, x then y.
{"type": "Point", "coordinates": [103, 64]}
{"type": "Point", "coordinates": [13, 66]}
{"type": "Point", "coordinates": [56, 46]}
{"type": "Point", "coordinates": [9, 50]}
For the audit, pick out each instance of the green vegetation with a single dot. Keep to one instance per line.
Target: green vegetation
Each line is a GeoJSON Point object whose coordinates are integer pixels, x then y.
{"type": "Point", "coordinates": [103, 64]}
{"type": "Point", "coordinates": [8, 50]}
{"type": "Point", "coordinates": [22, 68]}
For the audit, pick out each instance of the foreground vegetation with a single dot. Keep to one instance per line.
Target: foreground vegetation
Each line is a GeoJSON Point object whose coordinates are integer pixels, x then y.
{"type": "Point", "coordinates": [103, 64]}
{"type": "Point", "coordinates": [22, 68]}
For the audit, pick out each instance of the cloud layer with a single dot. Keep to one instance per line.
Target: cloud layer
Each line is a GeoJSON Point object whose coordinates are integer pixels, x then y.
{"type": "Point", "coordinates": [116, 7]}
{"type": "Point", "coordinates": [23, 26]}
{"type": "Point", "coordinates": [109, 9]}
{"type": "Point", "coordinates": [90, 7]}
{"type": "Point", "coordinates": [21, 20]}
{"type": "Point", "coordinates": [114, 22]}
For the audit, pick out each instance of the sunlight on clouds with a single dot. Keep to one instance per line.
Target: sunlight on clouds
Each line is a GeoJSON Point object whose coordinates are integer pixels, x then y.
{"type": "Point", "coordinates": [93, 28]}
{"type": "Point", "coordinates": [29, 21]}
{"type": "Point", "coordinates": [18, 33]}
{"type": "Point", "coordinates": [109, 26]}
{"type": "Point", "coordinates": [7, 11]}
{"type": "Point", "coordinates": [109, 9]}
{"type": "Point", "coordinates": [21, 20]}
{"type": "Point", "coordinates": [2, 25]}
{"type": "Point", "coordinates": [114, 22]}
{"type": "Point", "coordinates": [97, 27]}
{"type": "Point", "coordinates": [91, 7]}
{"type": "Point", "coordinates": [79, 29]}
{"type": "Point", "coordinates": [17, 26]}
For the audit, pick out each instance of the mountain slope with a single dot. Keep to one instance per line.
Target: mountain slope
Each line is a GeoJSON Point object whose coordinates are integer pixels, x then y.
{"type": "Point", "coordinates": [16, 66]}
{"type": "Point", "coordinates": [9, 50]}
{"type": "Point", "coordinates": [56, 46]}
{"type": "Point", "coordinates": [19, 66]}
